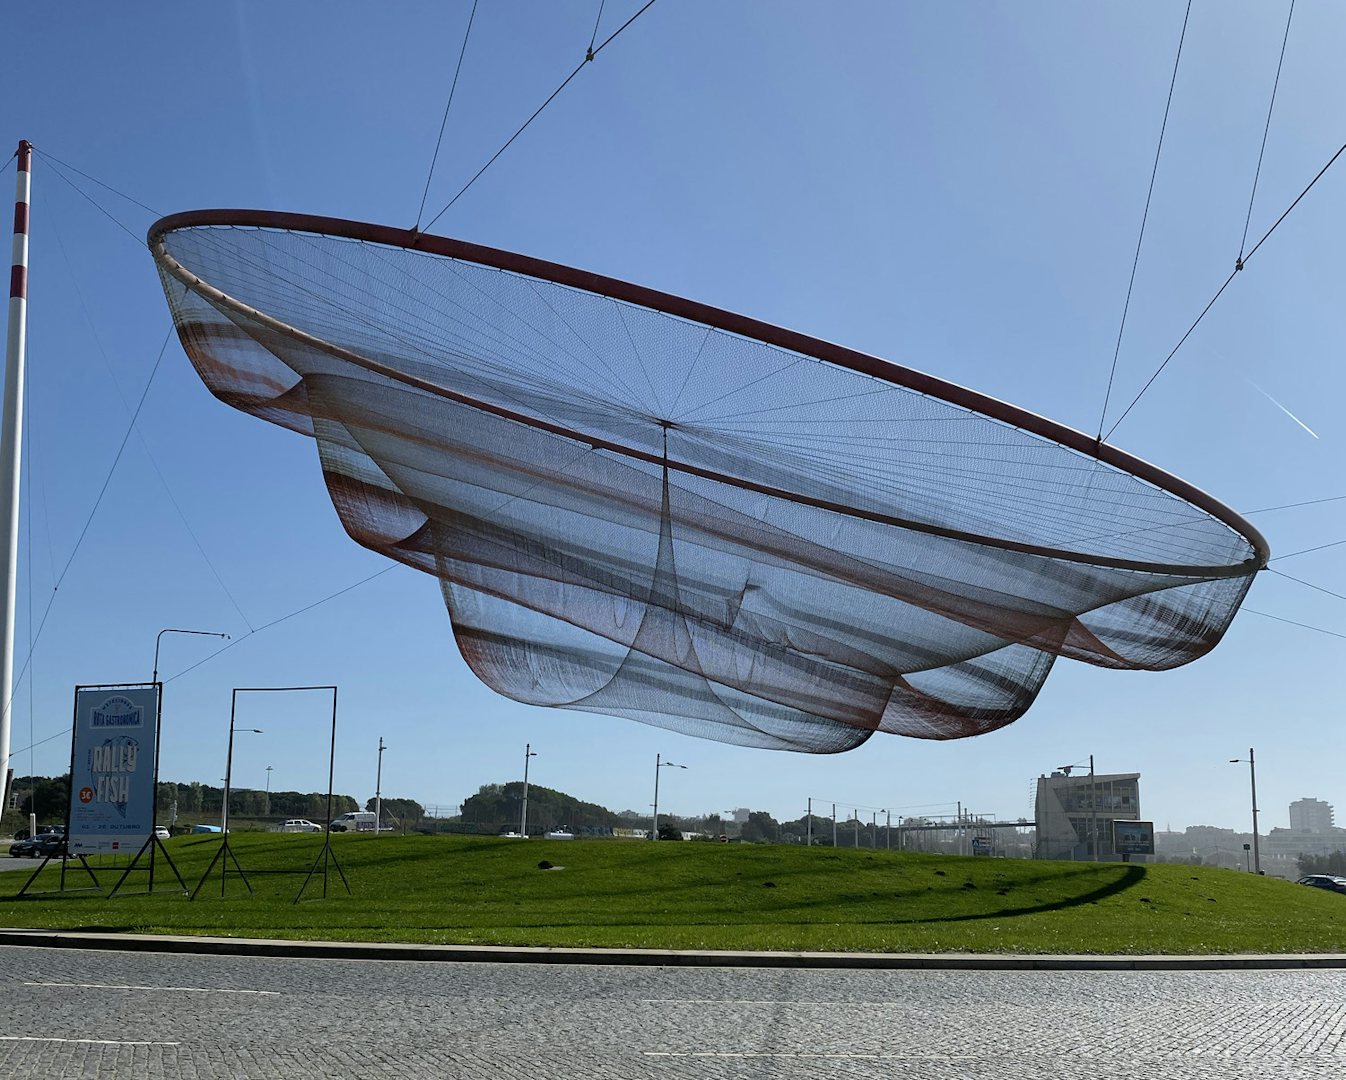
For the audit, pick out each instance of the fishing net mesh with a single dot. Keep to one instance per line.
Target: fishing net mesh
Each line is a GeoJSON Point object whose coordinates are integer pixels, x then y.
{"type": "Point", "coordinates": [637, 514]}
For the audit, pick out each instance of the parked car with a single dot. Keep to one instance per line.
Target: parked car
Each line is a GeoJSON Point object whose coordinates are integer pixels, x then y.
{"type": "Point", "coordinates": [42, 830]}
{"type": "Point", "coordinates": [1325, 881]}
{"type": "Point", "coordinates": [47, 845]}
{"type": "Point", "coordinates": [161, 832]}
{"type": "Point", "coordinates": [298, 824]}
{"type": "Point", "coordinates": [355, 821]}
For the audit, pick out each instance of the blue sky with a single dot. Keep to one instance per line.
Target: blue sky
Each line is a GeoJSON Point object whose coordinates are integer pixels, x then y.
{"type": "Point", "coordinates": [956, 187]}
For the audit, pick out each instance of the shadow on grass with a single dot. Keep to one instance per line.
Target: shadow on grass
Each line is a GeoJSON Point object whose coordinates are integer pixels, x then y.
{"type": "Point", "coordinates": [1128, 878]}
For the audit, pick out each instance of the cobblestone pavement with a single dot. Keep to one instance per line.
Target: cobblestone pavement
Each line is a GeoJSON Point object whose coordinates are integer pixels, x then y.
{"type": "Point", "coordinates": [70, 1013]}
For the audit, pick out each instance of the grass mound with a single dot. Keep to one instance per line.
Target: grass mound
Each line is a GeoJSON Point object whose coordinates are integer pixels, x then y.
{"type": "Point", "coordinates": [617, 894]}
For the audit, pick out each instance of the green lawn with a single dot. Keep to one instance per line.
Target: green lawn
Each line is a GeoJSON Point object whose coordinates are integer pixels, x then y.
{"type": "Point", "coordinates": [628, 894]}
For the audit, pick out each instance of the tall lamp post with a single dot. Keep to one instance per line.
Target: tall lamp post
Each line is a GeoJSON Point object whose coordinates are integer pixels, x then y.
{"type": "Point", "coordinates": [660, 764]}
{"type": "Point", "coordinates": [229, 772]}
{"type": "Point", "coordinates": [528, 752]}
{"type": "Point", "coordinates": [1093, 807]}
{"type": "Point", "coordinates": [268, 790]}
{"type": "Point", "coordinates": [172, 630]}
{"type": "Point", "coordinates": [1252, 780]}
{"type": "Point", "coordinates": [378, 790]}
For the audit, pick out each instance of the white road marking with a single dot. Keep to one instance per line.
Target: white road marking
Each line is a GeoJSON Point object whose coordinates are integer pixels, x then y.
{"type": "Point", "coordinates": [172, 989]}
{"type": "Point", "coordinates": [745, 1001]}
{"type": "Point", "coordinates": [88, 1042]}
{"type": "Point", "coordinates": [765, 1054]}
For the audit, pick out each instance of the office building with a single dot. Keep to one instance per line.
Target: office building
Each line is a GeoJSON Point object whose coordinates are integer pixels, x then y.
{"type": "Point", "coordinates": [1310, 816]}
{"type": "Point", "coordinates": [1069, 807]}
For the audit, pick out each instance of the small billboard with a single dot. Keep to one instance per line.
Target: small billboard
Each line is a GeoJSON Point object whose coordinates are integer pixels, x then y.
{"type": "Point", "coordinates": [112, 766]}
{"type": "Point", "coordinates": [1133, 837]}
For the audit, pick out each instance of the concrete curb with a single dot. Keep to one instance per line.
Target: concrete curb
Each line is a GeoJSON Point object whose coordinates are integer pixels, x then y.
{"type": "Point", "coordinates": [498, 954]}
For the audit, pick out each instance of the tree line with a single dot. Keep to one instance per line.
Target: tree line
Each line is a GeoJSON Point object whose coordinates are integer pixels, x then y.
{"type": "Point", "coordinates": [48, 797]}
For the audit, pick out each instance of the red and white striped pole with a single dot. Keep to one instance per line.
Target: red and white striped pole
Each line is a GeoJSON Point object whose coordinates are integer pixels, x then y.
{"type": "Point", "coordinates": [11, 438]}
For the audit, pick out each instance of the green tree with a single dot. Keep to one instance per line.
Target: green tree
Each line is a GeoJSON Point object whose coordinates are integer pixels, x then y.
{"type": "Point", "coordinates": [406, 812]}
{"type": "Point", "coordinates": [761, 828]}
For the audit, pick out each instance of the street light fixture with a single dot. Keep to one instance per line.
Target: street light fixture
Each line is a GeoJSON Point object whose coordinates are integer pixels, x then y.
{"type": "Point", "coordinates": [172, 630]}
{"type": "Point", "coordinates": [1093, 806]}
{"type": "Point", "coordinates": [659, 764]}
{"type": "Point", "coordinates": [528, 752]}
{"type": "Point", "coordinates": [1252, 779]}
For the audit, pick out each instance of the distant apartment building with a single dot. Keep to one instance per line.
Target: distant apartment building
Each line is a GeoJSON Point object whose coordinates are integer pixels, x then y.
{"type": "Point", "coordinates": [1310, 816]}
{"type": "Point", "coordinates": [1070, 807]}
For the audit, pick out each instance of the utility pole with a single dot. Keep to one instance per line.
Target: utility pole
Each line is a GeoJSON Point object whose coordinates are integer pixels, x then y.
{"type": "Point", "coordinates": [809, 827]}
{"type": "Point", "coordinates": [268, 791]}
{"type": "Point", "coordinates": [523, 815]}
{"type": "Point", "coordinates": [834, 824]}
{"type": "Point", "coordinates": [1093, 808]}
{"type": "Point", "coordinates": [888, 831]}
{"type": "Point", "coordinates": [11, 441]}
{"type": "Point", "coordinates": [1252, 780]}
{"type": "Point", "coordinates": [378, 791]}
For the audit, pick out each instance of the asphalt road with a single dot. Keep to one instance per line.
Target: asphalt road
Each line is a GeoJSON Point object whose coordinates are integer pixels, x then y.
{"type": "Point", "coordinates": [70, 1013]}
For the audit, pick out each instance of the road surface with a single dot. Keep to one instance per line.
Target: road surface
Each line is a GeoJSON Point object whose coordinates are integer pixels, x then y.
{"type": "Point", "coordinates": [72, 1013]}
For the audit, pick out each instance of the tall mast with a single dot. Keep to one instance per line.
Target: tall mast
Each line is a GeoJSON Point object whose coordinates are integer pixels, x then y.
{"type": "Point", "coordinates": [11, 438]}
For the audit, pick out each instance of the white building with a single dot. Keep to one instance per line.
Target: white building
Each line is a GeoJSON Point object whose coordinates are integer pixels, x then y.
{"type": "Point", "coordinates": [1068, 809]}
{"type": "Point", "coordinates": [1310, 816]}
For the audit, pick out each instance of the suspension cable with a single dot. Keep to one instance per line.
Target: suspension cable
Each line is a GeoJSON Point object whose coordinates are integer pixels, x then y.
{"type": "Point", "coordinates": [1144, 217]}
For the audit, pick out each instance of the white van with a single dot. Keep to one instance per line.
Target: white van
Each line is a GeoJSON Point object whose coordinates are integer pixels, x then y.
{"type": "Point", "coordinates": [355, 821]}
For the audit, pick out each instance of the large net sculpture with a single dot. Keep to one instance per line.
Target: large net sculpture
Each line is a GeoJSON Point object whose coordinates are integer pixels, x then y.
{"type": "Point", "coordinates": [641, 506]}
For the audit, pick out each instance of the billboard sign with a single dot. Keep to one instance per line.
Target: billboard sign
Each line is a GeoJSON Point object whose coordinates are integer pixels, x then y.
{"type": "Point", "coordinates": [1133, 837]}
{"type": "Point", "coordinates": [112, 768]}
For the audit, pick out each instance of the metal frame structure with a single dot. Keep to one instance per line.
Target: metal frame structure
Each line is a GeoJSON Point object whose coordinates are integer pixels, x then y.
{"type": "Point", "coordinates": [840, 356]}
{"type": "Point", "coordinates": [327, 857]}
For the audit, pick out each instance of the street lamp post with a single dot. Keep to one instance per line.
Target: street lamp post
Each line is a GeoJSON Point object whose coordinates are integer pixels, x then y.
{"type": "Point", "coordinates": [528, 752]}
{"type": "Point", "coordinates": [229, 772]}
{"type": "Point", "coordinates": [378, 790]}
{"type": "Point", "coordinates": [1252, 780]}
{"type": "Point", "coordinates": [268, 790]}
{"type": "Point", "coordinates": [659, 764]}
{"type": "Point", "coordinates": [1093, 807]}
{"type": "Point", "coordinates": [172, 630]}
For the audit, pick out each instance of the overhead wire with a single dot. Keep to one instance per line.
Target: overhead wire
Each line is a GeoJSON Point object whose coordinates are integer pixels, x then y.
{"type": "Point", "coordinates": [594, 36]}
{"type": "Point", "coordinates": [1266, 130]}
{"type": "Point", "coordinates": [1292, 622]}
{"type": "Point", "coordinates": [1309, 584]}
{"type": "Point", "coordinates": [452, 87]}
{"type": "Point", "coordinates": [1306, 551]}
{"type": "Point", "coordinates": [1234, 273]}
{"type": "Point", "coordinates": [144, 445]}
{"type": "Point", "coordinates": [49, 156]}
{"type": "Point", "coordinates": [283, 618]}
{"type": "Point", "coordinates": [589, 56]}
{"type": "Point", "coordinates": [9, 699]}
{"type": "Point", "coordinates": [95, 204]}
{"type": "Point", "coordinates": [1144, 217]}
